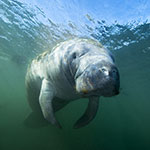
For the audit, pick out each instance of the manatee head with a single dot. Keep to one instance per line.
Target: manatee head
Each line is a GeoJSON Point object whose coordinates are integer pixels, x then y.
{"type": "Point", "coordinates": [93, 70]}
{"type": "Point", "coordinates": [99, 79]}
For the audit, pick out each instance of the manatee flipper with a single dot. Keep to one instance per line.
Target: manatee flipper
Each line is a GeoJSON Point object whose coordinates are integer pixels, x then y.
{"type": "Point", "coordinates": [45, 100]}
{"type": "Point", "coordinates": [89, 114]}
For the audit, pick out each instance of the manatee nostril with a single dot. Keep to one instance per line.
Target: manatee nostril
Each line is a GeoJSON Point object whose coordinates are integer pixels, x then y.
{"type": "Point", "coordinates": [114, 71]}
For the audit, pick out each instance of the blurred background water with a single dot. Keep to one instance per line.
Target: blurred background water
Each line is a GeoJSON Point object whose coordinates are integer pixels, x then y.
{"type": "Point", "coordinates": [29, 27]}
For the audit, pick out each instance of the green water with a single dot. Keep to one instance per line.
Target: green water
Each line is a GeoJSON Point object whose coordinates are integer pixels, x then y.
{"type": "Point", "coordinates": [122, 122]}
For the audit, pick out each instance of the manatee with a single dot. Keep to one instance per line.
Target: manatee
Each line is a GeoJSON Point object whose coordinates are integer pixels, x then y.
{"type": "Point", "coordinates": [73, 69]}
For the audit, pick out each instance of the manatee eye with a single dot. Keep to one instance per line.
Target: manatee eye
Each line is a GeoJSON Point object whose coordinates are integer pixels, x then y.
{"type": "Point", "coordinates": [103, 69]}
{"type": "Point", "coordinates": [74, 55]}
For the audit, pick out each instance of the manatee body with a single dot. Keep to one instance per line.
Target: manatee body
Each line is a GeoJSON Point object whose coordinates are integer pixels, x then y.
{"type": "Point", "coordinates": [73, 69]}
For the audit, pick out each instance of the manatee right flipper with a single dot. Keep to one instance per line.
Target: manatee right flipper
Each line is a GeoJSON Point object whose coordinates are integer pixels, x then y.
{"type": "Point", "coordinates": [45, 99]}
{"type": "Point", "coordinates": [89, 114]}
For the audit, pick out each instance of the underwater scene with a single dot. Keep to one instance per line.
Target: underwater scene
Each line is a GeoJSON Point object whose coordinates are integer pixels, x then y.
{"type": "Point", "coordinates": [31, 27]}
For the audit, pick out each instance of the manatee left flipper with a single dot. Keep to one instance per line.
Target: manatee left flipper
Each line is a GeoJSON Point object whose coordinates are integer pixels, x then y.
{"type": "Point", "coordinates": [89, 114]}
{"type": "Point", "coordinates": [45, 99]}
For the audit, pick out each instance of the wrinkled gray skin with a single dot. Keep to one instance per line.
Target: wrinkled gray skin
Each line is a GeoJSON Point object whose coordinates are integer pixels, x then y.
{"type": "Point", "coordinates": [73, 69]}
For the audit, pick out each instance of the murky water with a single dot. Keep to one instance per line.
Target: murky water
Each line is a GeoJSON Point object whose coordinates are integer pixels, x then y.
{"type": "Point", "coordinates": [122, 122]}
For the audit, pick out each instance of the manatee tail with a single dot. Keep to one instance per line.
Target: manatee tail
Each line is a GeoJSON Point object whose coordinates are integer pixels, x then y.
{"type": "Point", "coordinates": [35, 120]}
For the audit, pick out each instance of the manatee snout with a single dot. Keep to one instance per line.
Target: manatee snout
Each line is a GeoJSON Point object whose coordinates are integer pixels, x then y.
{"type": "Point", "coordinates": [101, 79]}
{"type": "Point", "coordinates": [114, 79]}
